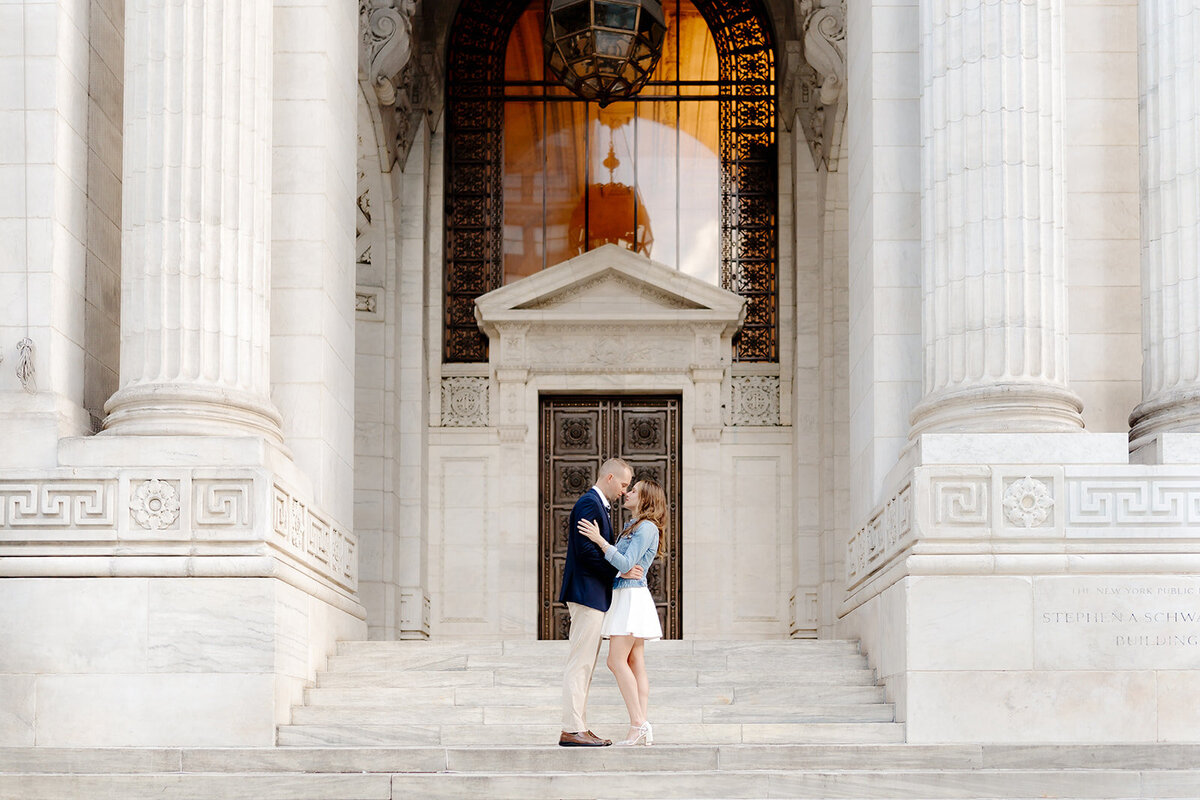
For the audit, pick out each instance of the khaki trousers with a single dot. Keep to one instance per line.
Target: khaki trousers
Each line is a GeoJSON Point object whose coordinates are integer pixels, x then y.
{"type": "Point", "coordinates": [581, 663]}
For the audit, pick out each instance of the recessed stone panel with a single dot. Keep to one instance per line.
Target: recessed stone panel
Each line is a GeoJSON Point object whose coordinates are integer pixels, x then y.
{"type": "Point", "coordinates": [1116, 622]}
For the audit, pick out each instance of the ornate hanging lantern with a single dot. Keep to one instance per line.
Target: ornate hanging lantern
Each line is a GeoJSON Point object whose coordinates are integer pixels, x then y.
{"type": "Point", "coordinates": [604, 50]}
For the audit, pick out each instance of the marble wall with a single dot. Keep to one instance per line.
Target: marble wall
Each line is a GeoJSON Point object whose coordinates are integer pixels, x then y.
{"type": "Point", "coordinates": [883, 170]}
{"type": "Point", "coordinates": [44, 109]}
{"type": "Point", "coordinates": [157, 661]}
{"type": "Point", "coordinates": [314, 188]}
{"type": "Point", "coordinates": [1101, 162]}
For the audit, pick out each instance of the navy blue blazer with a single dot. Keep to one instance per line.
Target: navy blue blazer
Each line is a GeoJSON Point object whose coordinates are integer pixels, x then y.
{"type": "Point", "coordinates": [587, 577]}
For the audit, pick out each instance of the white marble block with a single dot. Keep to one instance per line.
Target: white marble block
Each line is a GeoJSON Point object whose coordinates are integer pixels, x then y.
{"type": "Point", "coordinates": [1072, 658]}
{"type": "Point", "coordinates": [145, 661]}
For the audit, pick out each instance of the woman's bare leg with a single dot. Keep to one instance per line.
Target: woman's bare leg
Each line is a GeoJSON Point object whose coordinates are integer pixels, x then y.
{"type": "Point", "coordinates": [618, 663]}
{"type": "Point", "coordinates": [637, 664]}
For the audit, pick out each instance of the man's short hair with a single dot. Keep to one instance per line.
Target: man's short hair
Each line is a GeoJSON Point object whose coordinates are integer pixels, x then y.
{"type": "Point", "coordinates": [614, 464]}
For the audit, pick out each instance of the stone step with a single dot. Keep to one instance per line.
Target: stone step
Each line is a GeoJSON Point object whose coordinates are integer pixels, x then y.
{"type": "Point", "coordinates": [545, 662]}
{"type": "Point", "coordinates": [354, 735]}
{"type": "Point", "coordinates": [672, 647]}
{"type": "Point", "coordinates": [660, 757]}
{"type": "Point", "coordinates": [552, 676]}
{"type": "Point", "coordinates": [795, 783]}
{"type": "Point", "coordinates": [867, 785]}
{"type": "Point", "coordinates": [487, 696]}
{"type": "Point", "coordinates": [600, 714]}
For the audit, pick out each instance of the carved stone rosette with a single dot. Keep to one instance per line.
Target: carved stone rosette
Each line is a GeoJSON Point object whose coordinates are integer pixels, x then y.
{"type": "Point", "coordinates": [464, 402]}
{"type": "Point", "coordinates": [755, 400]}
{"type": "Point", "coordinates": [154, 504]}
{"type": "Point", "coordinates": [1027, 502]}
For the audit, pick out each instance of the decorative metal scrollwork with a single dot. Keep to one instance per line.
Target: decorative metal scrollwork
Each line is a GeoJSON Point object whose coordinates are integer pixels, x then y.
{"type": "Point", "coordinates": [474, 168]}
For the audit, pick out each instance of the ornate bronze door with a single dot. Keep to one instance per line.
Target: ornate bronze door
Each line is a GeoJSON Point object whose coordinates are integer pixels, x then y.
{"type": "Point", "coordinates": [577, 435]}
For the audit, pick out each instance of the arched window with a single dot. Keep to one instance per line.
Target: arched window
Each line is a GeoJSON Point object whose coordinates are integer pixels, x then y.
{"type": "Point", "coordinates": [684, 173]}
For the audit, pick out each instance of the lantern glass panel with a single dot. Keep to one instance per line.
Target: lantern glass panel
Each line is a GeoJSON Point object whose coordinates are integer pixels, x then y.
{"type": "Point", "coordinates": [573, 18]}
{"type": "Point", "coordinates": [617, 15]}
{"type": "Point", "coordinates": [617, 45]}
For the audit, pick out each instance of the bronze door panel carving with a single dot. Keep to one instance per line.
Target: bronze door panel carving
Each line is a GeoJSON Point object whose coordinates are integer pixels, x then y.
{"type": "Point", "coordinates": [577, 434]}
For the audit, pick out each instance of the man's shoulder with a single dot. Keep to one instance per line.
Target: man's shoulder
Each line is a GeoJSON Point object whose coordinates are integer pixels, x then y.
{"type": "Point", "coordinates": [588, 499]}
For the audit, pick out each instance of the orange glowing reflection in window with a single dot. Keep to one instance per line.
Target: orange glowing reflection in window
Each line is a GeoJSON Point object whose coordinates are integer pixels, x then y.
{"type": "Point", "coordinates": [644, 174]}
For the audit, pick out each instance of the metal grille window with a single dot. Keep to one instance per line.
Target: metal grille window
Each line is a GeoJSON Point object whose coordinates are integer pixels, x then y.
{"type": "Point", "coordinates": [685, 173]}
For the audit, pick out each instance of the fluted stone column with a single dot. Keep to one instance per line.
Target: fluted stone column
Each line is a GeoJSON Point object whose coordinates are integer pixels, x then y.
{"type": "Point", "coordinates": [1170, 157]}
{"type": "Point", "coordinates": [195, 316]}
{"type": "Point", "coordinates": [994, 288]}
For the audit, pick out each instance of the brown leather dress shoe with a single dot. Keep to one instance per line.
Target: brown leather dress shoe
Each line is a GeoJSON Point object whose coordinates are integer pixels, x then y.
{"type": "Point", "coordinates": [582, 739]}
{"type": "Point", "coordinates": [603, 742]}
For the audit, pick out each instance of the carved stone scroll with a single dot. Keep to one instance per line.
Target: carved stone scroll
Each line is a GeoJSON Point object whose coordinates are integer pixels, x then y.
{"type": "Point", "coordinates": [385, 28]}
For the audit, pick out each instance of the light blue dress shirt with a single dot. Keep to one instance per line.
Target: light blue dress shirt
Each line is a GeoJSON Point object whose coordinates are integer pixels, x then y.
{"type": "Point", "coordinates": [639, 548]}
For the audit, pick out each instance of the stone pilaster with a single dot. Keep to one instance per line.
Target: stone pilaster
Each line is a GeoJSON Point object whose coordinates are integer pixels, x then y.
{"type": "Point", "coordinates": [195, 320]}
{"type": "Point", "coordinates": [1170, 140]}
{"type": "Point", "coordinates": [994, 288]}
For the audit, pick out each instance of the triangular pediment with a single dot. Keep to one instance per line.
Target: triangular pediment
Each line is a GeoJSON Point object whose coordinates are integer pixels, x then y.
{"type": "Point", "coordinates": [609, 283]}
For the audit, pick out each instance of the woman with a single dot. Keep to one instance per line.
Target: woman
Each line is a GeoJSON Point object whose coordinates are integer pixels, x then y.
{"type": "Point", "coordinates": [632, 618]}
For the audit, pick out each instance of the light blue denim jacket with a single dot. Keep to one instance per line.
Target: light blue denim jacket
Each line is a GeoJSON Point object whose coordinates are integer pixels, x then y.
{"type": "Point", "coordinates": [639, 547]}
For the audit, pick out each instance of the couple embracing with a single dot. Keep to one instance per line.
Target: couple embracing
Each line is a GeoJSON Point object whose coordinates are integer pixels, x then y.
{"type": "Point", "coordinates": [604, 587]}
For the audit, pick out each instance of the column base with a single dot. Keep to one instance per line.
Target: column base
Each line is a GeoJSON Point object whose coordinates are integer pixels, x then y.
{"type": "Point", "coordinates": [999, 408]}
{"type": "Point", "coordinates": [1167, 447]}
{"type": "Point", "coordinates": [1170, 412]}
{"type": "Point", "coordinates": [191, 410]}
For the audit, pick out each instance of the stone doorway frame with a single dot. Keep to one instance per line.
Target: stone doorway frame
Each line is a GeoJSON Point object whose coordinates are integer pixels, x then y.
{"type": "Point", "coordinates": [612, 322]}
{"type": "Point", "coordinates": [608, 438]}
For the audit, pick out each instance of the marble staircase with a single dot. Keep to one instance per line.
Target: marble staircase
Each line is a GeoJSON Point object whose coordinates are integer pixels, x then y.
{"type": "Point", "coordinates": [392, 720]}
{"type": "Point", "coordinates": [810, 771]}
{"type": "Point", "coordinates": [509, 693]}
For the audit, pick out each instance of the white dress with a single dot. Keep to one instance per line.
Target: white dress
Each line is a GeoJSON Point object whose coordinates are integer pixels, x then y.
{"type": "Point", "coordinates": [632, 613]}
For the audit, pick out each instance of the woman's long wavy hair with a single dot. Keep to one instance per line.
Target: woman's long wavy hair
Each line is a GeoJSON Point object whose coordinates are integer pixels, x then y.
{"type": "Point", "coordinates": [652, 506]}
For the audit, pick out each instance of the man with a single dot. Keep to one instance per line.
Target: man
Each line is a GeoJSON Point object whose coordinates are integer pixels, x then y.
{"type": "Point", "coordinates": [587, 591]}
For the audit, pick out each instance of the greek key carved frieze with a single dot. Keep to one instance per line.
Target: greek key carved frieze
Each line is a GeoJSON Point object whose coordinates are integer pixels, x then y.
{"type": "Point", "coordinates": [464, 402]}
{"type": "Point", "coordinates": [58, 504]}
{"type": "Point", "coordinates": [220, 503]}
{"type": "Point", "coordinates": [217, 509]}
{"type": "Point", "coordinates": [1132, 502]}
{"type": "Point", "coordinates": [888, 532]}
{"type": "Point", "coordinates": [755, 400]}
{"type": "Point", "coordinates": [313, 538]}
{"type": "Point", "coordinates": [959, 501]}
{"type": "Point", "coordinates": [1005, 505]}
